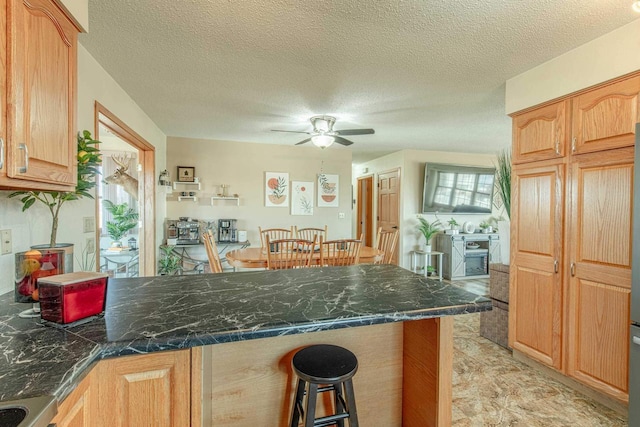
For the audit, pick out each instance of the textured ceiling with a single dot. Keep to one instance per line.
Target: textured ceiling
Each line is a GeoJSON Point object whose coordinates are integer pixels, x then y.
{"type": "Point", "coordinates": [424, 74]}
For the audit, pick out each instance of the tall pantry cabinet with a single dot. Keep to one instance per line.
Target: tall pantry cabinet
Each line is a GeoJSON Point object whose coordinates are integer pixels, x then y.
{"type": "Point", "coordinates": [571, 234]}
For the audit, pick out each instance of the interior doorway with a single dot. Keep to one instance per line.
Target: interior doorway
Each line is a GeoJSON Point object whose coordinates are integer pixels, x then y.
{"type": "Point", "coordinates": [365, 209]}
{"type": "Point", "coordinates": [125, 152]}
{"type": "Point", "coordinates": [389, 204]}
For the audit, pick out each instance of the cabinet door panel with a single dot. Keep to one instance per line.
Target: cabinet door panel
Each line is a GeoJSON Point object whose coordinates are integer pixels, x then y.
{"type": "Point", "coordinates": [76, 409]}
{"type": "Point", "coordinates": [42, 82]}
{"type": "Point", "coordinates": [605, 118]}
{"type": "Point", "coordinates": [146, 390]}
{"type": "Point", "coordinates": [599, 339]}
{"type": "Point", "coordinates": [540, 134]}
{"type": "Point", "coordinates": [535, 314]}
{"type": "Point", "coordinates": [600, 282]}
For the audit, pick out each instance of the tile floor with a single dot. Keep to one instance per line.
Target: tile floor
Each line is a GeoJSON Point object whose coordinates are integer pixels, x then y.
{"type": "Point", "coordinates": [490, 388]}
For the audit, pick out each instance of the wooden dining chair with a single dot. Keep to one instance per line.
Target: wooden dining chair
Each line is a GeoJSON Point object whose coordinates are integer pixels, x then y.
{"type": "Point", "coordinates": [340, 252]}
{"type": "Point", "coordinates": [289, 253]}
{"type": "Point", "coordinates": [386, 241]}
{"type": "Point", "coordinates": [310, 233]}
{"type": "Point", "coordinates": [212, 252]}
{"type": "Point", "coordinates": [274, 234]}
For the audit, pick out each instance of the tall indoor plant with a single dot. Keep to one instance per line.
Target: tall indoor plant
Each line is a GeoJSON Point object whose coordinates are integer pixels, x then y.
{"type": "Point", "coordinates": [88, 162]}
{"type": "Point", "coordinates": [503, 179]}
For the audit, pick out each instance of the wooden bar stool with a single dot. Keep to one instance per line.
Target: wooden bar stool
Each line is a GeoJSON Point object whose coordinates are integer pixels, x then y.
{"type": "Point", "coordinates": [332, 367]}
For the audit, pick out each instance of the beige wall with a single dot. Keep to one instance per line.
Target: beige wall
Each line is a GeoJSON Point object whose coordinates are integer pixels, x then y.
{"type": "Point", "coordinates": [612, 55]}
{"type": "Point", "coordinates": [79, 11]}
{"type": "Point", "coordinates": [411, 164]}
{"type": "Point", "coordinates": [242, 166]}
{"type": "Point", "coordinates": [33, 226]}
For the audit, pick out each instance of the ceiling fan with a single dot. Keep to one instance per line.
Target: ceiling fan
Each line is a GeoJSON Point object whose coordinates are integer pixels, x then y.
{"type": "Point", "coordinates": [323, 134]}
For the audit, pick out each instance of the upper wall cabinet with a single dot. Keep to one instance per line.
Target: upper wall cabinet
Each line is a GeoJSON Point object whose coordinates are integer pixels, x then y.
{"type": "Point", "coordinates": [606, 118]}
{"type": "Point", "coordinates": [540, 134]}
{"type": "Point", "coordinates": [40, 65]}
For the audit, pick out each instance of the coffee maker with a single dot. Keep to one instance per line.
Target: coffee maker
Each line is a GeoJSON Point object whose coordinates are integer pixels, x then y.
{"type": "Point", "coordinates": [188, 231]}
{"type": "Point", "coordinates": [227, 231]}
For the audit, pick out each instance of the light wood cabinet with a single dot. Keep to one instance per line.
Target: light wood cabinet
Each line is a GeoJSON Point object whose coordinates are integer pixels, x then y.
{"type": "Point", "coordinates": [536, 286]}
{"type": "Point", "coordinates": [605, 118]}
{"type": "Point", "coordinates": [39, 73]}
{"type": "Point", "coordinates": [571, 240]}
{"type": "Point", "coordinates": [600, 270]}
{"type": "Point", "coordinates": [145, 390]}
{"type": "Point", "coordinates": [540, 134]}
{"type": "Point", "coordinates": [76, 410]}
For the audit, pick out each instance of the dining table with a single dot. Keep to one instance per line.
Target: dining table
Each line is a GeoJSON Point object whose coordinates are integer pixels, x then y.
{"type": "Point", "coordinates": [257, 257]}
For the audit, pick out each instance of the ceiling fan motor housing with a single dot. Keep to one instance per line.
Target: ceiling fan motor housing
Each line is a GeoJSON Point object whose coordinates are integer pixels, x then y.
{"type": "Point", "coordinates": [323, 124]}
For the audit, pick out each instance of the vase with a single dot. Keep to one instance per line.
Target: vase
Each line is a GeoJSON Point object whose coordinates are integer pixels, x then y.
{"type": "Point", "coordinates": [68, 254]}
{"type": "Point", "coordinates": [427, 248]}
{"type": "Point", "coordinates": [504, 231]}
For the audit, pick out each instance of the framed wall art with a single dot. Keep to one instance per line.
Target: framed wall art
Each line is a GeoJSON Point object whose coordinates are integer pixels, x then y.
{"type": "Point", "coordinates": [186, 173]}
{"type": "Point", "coordinates": [276, 189]}
{"type": "Point", "coordinates": [328, 190]}
{"type": "Point", "coordinates": [302, 197]}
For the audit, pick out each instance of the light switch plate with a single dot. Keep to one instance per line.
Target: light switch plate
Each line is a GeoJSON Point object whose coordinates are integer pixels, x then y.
{"type": "Point", "coordinates": [88, 224]}
{"type": "Point", "coordinates": [5, 242]}
{"type": "Point", "coordinates": [341, 215]}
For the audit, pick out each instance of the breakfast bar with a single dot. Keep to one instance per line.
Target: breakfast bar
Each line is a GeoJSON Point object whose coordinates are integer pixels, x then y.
{"type": "Point", "coordinates": [240, 331]}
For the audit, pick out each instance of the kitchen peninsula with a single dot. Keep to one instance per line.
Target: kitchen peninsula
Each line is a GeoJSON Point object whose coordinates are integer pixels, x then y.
{"type": "Point", "coordinates": [239, 332]}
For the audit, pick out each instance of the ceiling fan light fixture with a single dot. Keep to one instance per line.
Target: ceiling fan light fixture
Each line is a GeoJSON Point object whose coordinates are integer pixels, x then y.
{"type": "Point", "coordinates": [322, 141]}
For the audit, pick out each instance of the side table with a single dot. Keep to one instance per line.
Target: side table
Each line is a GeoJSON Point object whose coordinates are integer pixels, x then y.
{"type": "Point", "coordinates": [416, 255]}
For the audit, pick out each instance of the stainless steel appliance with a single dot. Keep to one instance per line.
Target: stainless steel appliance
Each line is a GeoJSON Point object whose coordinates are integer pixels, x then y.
{"type": "Point", "coordinates": [227, 231]}
{"type": "Point", "coordinates": [634, 354]}
{"type": "Point", "coordinates": [188, 232]}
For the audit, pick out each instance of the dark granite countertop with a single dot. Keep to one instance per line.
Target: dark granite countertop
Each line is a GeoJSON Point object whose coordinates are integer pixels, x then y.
{"type": "Point", "coordinates": [150, 314]}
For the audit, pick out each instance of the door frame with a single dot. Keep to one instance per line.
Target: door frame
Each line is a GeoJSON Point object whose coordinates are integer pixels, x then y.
{"type": "Point", "coordinates": [147, 195]}
{"type": "Point", "coordinates": [363, 205]}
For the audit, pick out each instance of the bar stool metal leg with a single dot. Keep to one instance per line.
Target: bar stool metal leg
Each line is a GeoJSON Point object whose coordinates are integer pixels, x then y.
{"type": "Point", "coordinates": [297, 404]}
{"type": "Point", "coordinates": [310, 409]}
{"type": "Point", "coordinates": [351, 403]}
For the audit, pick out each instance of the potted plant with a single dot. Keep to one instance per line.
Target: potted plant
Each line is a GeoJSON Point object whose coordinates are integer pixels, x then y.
{"type": "Point", "coordinates": [453, 224]}
{"type": "Point", "coordinates": [503, 179]}
{"type": "Point", "coordinates": [428, 230]}
{"type": "Point", "coordinates": [486, 227]}
{"type": "Point", "coordinates": [124, 219]}
{"type": "Point", "coordinates": [431, 270]}
{"type": "Point", "coordinates": [89, 160]}
{"type": "Point", "coordinates": [169, 264]}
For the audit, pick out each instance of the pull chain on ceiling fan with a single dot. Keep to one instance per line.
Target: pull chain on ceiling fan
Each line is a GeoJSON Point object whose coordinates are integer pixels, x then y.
{"type": "Point", "coordinates": [323, 134]}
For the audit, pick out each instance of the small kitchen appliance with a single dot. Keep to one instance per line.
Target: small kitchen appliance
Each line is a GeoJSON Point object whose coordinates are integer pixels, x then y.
{"type": "Point", "coordinates": [227, 231]}
{"type": "Point", "coordinates": [72, 298]}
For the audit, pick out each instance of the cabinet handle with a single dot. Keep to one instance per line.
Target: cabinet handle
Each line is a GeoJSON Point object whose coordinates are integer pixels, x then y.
{"type": "Point", "coordinates": [558, 147]}
{"type": "Point", "coordinates": [555, 266]}
{"type": "Point", "coordinates": [24, 168]}
{"type": "Point", "coordinates": [636, 340]}
{"type": "Point", "coordinates": [573, 269]}
{"type": "Point", "coordinates": [573, 144]}
{"type": "Point", "coordinates": [1, 153]}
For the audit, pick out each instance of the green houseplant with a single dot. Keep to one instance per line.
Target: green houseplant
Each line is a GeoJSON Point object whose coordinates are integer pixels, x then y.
{"type": "Point", "coordinates": [88, 162]}
{"type": "Point", "coordinates": [169, 264]}
{"type": "Point", "coordinates": [428, 230]}
{"type": "Point", "coordinates": [453, 223]}
{"type": "Point", "coordinates": [503, 179]}
{"type": "Point", "coordinates": [124, 219]}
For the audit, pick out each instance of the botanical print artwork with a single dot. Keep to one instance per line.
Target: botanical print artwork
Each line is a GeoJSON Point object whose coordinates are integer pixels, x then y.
{"type": "Point", "coordinates": [327, 190]}
{"type": "Point", "coordinates": [301, 197]}
{"type": "Point", "coordinates": [276, 189]}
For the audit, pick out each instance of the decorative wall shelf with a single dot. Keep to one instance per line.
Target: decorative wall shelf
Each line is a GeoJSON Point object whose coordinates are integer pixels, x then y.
{"type": "Point", "coordinates": [236, 199]}
{"type": "Point", "coordinates": [176, 183]}
{"type": "Point", "coordinates": [185, 198]}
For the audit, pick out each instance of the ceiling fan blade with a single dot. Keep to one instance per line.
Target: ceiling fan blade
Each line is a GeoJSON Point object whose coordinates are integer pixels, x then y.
{"type": "Point", "coordinates": [342, 141]}
{"type": "Point", "coordinates": [355, 132]}
{"type": "Point", "coordinates": [290, 131]}
{"type": "Point", "coordinates": [304, 141]}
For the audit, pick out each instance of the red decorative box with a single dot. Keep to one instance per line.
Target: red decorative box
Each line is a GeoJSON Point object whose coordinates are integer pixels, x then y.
{"type": "Point", "coordinates": [68, 298]}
